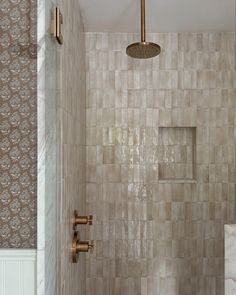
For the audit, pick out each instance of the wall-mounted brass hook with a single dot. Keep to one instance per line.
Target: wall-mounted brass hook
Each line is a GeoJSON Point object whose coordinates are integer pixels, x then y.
{"type": "Point", "coordinates": [56, 25]}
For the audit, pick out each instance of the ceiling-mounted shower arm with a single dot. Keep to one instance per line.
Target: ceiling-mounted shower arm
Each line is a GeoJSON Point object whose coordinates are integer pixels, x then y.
{"type": "Point", "coordinates": [143, 49]}
{"type": "Point", "coordinates": [143, 21]}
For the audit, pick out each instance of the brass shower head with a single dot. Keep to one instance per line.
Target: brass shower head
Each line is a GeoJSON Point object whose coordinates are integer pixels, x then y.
{"type": "Point", "coordinates": [143, 49]}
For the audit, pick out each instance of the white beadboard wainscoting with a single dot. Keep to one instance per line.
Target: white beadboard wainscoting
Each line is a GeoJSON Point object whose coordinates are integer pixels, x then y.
{"type": "Point", "coordinates": [17, 272]}
{"type": "Point", "coordinates": [230, 259]}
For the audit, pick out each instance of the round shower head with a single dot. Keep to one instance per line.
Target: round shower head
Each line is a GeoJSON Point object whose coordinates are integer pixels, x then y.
{"type": "Point", "coordinates": [143, 50]}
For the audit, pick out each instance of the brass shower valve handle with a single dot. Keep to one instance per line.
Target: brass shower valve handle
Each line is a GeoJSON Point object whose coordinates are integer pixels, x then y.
{"type": "Point", "coordinates": [85, 246]}
{"type": "Point", "coordinates": [80, 246]}
{"type": "Point", "coordinates": [82, 219]}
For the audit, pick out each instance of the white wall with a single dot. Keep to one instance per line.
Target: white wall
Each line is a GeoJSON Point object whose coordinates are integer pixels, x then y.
{"type": "Point", "coordinates": [17, 272]}
{"type": "Point", "coordinates": [230, 259]}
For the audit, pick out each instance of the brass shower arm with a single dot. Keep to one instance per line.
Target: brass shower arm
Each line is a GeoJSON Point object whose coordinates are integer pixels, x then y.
{"type": "Point", "coordinates": [143, 49]}
{"type": "Point", "coordinates": [143, 32]}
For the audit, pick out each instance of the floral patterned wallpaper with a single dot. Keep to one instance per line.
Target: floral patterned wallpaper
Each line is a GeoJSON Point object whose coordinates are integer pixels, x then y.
{"type": "Point", "coordinates": [18, 137]}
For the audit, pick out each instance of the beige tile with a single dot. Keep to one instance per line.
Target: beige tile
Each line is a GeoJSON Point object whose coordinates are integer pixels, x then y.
{"type": "Point", "coordinates": [156, 234]}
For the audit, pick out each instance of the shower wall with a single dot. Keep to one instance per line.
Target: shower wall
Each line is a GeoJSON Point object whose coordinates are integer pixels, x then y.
{"type": "Point", "coordinates": [73, 102]}
{"type": "Point", "coordinates": [61, 148]}
{"type": "Point", "coordinates": [160, 147]}
{"type": "Point", "coordinates": [18, 97]}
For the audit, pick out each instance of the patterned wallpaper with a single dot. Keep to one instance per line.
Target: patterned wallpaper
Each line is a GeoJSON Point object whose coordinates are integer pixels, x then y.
{"type": "Point", "coordinates": [18, 97]}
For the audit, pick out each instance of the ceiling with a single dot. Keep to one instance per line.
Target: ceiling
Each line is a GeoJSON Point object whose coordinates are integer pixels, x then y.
{"type": "Point", "coordinates": [161, 15]}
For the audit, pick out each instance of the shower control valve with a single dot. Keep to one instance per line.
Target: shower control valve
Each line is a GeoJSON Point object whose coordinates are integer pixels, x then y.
{"type": "Point", "coordinates": [80, 246]}
{"type": "Point", "coordinates": [82, 219]}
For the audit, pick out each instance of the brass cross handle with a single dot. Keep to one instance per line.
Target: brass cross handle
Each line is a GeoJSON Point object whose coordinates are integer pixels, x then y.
{"type": "Point", "coordinates": [82, 219]}
{"type": "Point", "coordinates": [80, 246]}
{"type": "Point", "coordinates": [85, 246]}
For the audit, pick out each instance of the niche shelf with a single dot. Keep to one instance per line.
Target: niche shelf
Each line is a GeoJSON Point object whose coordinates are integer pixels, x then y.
{"type": "Point", "coordinates": [177, 154]}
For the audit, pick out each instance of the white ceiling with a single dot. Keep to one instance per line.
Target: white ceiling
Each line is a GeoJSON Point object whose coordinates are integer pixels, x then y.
{"type": "Point", "coordinates": [161, 15]}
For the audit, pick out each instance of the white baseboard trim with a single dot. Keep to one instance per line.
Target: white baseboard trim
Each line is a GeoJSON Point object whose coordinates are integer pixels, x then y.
{"type": "Point", "coordinates": [17, 272]}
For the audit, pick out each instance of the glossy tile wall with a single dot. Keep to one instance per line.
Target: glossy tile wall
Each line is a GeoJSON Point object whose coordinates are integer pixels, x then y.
{"type": "Point", "coordinates": [157, 236]}
{"type": "Point", "coordinates": [18, 97]}
{"type": "Point", "coordinates": [48, 154]}
{"type": "Point", "coordinates": [73, 102]}
{"type": "Point", "coordinates": [61, 152]}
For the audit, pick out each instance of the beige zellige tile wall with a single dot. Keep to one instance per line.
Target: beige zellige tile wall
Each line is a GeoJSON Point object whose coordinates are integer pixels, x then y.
{"type": "Point", "coordinates": [72, 144]}
{"type": "Point", "coordinates": [158, 236]}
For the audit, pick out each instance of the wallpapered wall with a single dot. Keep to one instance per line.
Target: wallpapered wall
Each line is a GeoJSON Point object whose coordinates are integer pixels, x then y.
{"type": "Point", "coordinates": [18, 123]}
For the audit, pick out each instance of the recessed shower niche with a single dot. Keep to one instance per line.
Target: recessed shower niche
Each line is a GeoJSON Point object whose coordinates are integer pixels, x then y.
{"type": "Point", "coordinates": [177, 154]}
